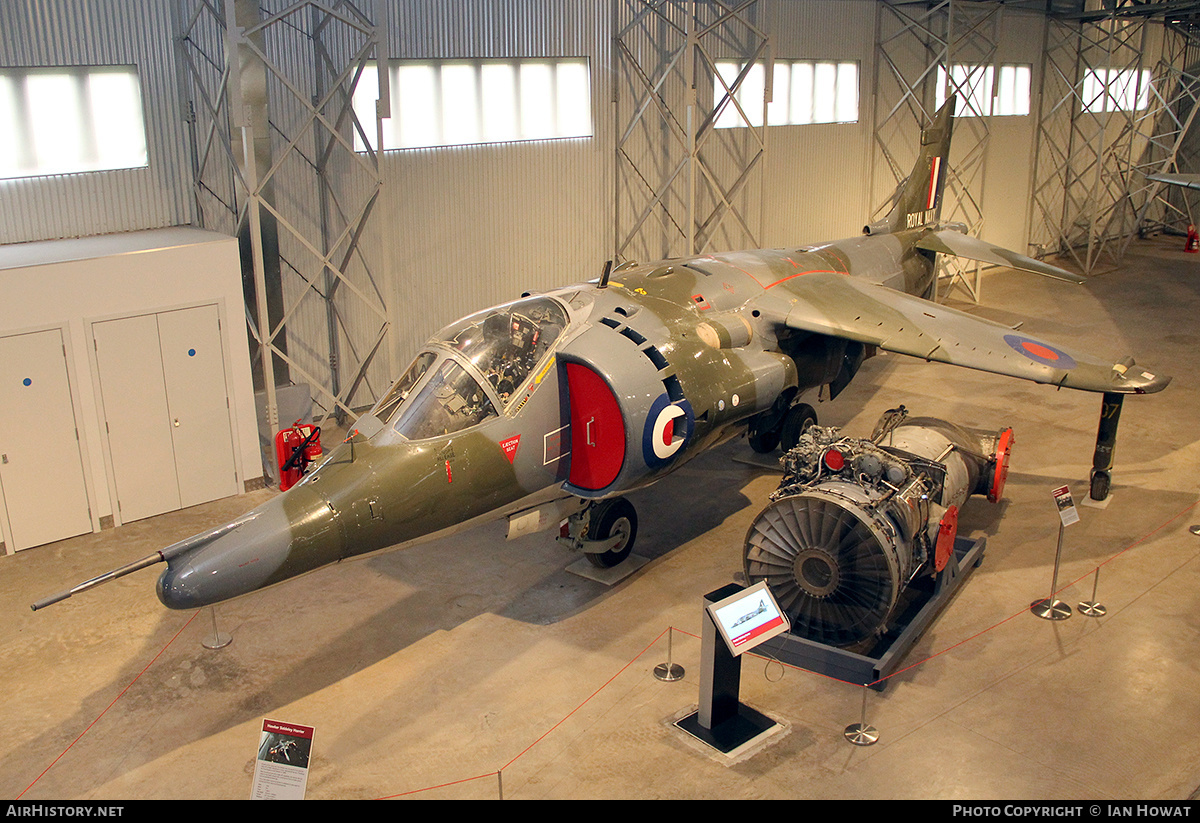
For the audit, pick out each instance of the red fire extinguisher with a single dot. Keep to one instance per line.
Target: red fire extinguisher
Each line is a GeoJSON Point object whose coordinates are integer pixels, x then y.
{"type": "Point", "coordinates": [295, 448]}
{"type": "Point", "coordinates": [1193, 240]}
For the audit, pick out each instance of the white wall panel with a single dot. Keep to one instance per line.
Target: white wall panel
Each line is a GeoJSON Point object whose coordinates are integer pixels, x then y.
{"type": "Point", "coordinates": [99, 33]}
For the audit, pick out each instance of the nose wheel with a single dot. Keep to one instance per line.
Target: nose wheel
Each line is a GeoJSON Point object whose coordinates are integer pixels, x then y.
{"type": "Point", "coordinates": [613, 525]}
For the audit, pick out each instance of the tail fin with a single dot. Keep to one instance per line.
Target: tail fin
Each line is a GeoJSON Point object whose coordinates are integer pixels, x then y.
{"type": "Point", "coordinates": [920, 201]}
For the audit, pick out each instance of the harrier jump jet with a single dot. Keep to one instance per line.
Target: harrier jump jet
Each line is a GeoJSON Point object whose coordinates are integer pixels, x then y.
{"type": "Point", "coordinates": [547, 410]}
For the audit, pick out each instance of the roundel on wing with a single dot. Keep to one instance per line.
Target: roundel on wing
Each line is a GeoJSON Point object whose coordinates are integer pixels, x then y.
{"type": "Point", "coordinates": [1040, 352]}
{"type": "Point", "coordinates": [668, 428]}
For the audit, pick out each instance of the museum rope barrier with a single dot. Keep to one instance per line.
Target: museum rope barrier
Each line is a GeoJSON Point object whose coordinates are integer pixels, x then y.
{"type": "Point", "coordinates": [499, 773]}
{"type": "Point", "coordinates": [145, 669]}
{"type": "Point", "coordinates": [545, 734]}
{"type": "Point", "coordinates": [1059, 590]}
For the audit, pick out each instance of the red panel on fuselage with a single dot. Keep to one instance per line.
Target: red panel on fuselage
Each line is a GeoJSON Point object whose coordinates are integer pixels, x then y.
{"type": "Point", "coordinates": [597, 430]}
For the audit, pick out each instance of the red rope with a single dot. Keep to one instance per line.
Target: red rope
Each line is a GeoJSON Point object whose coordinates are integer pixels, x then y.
{"type": "Point", "coordinates": [109, 706]}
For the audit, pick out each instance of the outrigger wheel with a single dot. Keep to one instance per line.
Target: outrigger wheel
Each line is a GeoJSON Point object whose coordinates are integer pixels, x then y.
{"type": "Point", "coordinates": [610, 519]}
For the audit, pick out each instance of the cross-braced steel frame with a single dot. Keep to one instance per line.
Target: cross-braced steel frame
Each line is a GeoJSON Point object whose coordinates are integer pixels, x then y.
{"type": "Point", "coordinates": [1086, 138]}
{"type": "Point", "coordinates": [1167, 139]}
{"type": "Point", "coordinates": [271, 88]}
{"type": "Point", "coordinates": [682, 185]}
{"type": "Point", "coordinates": [913, 41]}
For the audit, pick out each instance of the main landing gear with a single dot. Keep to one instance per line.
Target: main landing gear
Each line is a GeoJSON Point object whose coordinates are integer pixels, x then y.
{"type": "Point", "coordinates": [781, 428]}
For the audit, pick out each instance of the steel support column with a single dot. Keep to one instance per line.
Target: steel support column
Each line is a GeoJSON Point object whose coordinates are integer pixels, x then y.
{"type": "Point", "coordinates": [1085, 139]}
{"type": "Point", "coordinates": [271, 88]}
{"type": "Point", "coordinates": [682, 185]}
{"type": "Point", "coordinates": [919, 45]}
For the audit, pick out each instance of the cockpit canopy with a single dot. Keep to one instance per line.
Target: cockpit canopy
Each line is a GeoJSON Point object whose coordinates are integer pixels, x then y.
{"type": "Point", "coordinates": [471, 368]}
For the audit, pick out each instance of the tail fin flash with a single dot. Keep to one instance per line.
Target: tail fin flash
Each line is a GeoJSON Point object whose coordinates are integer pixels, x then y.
{"type": "Point", "coordinates": [920, 201]}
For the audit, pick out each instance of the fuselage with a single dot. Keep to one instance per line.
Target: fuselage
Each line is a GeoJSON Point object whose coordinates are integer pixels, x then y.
{"type": "Point", "coordinates": [585, 392]}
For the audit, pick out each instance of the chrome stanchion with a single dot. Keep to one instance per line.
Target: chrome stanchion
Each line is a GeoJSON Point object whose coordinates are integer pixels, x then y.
{"type": "Point", "coordinates": [1093, 608]}
{"type": "Point", "coordinates": [218, 639]}
{"type": "Point", "coordinates": [1049, 608]}
{"type": "Point", "coordinates": [861, 734]}
{"type": "Point", "coordinates": [669, 672]}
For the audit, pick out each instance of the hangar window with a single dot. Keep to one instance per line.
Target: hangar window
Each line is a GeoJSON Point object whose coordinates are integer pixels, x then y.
{"type": "Point", "coordinates": [1115, 90]}
{"type": "Point", "coordinates": [803, 92]}
{"type": "Point", "coordinates": [986, 91]}
{"type": "Point", "coordinates": [463, 102]}
{"type": "Point", "coordinates": [68, 120]}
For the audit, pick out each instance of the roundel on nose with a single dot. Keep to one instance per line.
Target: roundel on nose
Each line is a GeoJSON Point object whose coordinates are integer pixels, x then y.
{"type": "Point", "coordinates": [667, 430]}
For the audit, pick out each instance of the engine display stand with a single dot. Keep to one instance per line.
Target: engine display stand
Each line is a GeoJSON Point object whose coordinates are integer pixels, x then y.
{"type": "Point", "coordinates": [926, 598]}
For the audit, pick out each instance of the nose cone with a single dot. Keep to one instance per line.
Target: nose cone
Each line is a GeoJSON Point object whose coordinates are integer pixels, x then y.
{"type": "Point", "coordinates": [288, 535]}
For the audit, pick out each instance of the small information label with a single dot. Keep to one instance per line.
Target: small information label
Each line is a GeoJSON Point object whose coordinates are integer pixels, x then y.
{"type": "Point", "coordinates": [1066, 506]}
{"type": "Point", "coordinates": [281, 768]}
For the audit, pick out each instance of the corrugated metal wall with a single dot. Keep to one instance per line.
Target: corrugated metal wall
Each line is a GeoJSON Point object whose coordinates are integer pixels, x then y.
{"type": "Point", "coordinates": [465, 227]}
{"type": "Point", "coordinates": [455, 229]}
{"type": "Point", "coordinates": [99, 33]}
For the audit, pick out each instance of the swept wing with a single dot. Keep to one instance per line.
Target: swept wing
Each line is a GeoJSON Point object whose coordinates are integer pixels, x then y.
{"type": "Point", "coordinates": [843, 306]}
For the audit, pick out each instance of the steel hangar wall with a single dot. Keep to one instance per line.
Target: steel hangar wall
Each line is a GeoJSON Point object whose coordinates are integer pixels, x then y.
{"type": "Point", "coordinates": [457, 228]}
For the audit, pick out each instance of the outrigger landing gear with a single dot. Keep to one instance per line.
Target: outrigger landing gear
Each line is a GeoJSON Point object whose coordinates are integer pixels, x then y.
{"type": "Point", "coordinates": [604, 531]}
{"type": "Point", "coordinates": [1106, 444]}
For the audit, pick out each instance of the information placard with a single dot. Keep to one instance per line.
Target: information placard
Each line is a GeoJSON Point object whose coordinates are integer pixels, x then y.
{"type": "Point", "coordinates": [281, 768]}
{"type": "Point", "coordinates": [748, 618]}
{"type": "Point", "coordinates": [1066, 506]}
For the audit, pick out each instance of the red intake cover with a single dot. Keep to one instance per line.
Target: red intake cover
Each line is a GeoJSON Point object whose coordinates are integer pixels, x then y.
{"type": "Point", "coordinates": [597, 430]}
{"type": "Point", "coordinates": [947, 531]}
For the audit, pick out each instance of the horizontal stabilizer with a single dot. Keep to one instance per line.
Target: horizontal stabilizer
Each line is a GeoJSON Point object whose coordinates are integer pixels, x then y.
{"type": "Point", "coordinates": [1188, 181]}
{"type": "Point", "coordinates": [948, 241]}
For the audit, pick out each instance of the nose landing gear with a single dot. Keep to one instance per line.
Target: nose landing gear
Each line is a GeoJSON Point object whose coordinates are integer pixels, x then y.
{"type": "Point", "coordinates": [604, 531]}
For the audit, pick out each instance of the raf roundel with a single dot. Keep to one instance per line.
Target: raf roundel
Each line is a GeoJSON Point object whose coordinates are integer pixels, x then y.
{"type": "Point", "coordinates": [1040, 352]}
{"type": "Point", "coordinates": [668, 429]}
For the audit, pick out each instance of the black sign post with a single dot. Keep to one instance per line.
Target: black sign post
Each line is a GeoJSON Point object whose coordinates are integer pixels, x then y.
{"type": "Point", "coordinates": [722, 721]}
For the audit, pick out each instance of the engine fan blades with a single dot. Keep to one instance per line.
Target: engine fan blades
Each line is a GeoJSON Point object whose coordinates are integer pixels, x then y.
{"type": "Point", "coordinates": [834, 576]}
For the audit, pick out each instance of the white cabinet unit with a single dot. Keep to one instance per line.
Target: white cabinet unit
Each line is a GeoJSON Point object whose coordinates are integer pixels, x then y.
{"type": "Point", "coordinates": [166, 410]}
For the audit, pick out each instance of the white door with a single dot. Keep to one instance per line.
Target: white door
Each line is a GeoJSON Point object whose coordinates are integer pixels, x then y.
{"type": "Point", "coordinates": [136, 417]}
{"type": "Point", "coordinates": [42, 484]}
{"type": "Point", "coordinates": [166, 409]}
{"type": "Point", "coordinates": [198, 405]}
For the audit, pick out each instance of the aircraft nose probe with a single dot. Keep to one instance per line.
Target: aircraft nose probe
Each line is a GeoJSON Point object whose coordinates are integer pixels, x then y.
{"type": "Point", "coordinates": [161, 556]}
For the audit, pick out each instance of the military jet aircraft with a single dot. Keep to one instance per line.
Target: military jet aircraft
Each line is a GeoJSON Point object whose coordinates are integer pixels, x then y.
{"type": "Point", "coordinates": [1187, 181]}
{"type": "Point", "coordinates": [548, 409]}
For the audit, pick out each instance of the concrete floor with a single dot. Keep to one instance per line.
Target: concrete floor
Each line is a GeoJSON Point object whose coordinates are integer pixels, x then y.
{"type": "Point", "coordinates": [485, 667]}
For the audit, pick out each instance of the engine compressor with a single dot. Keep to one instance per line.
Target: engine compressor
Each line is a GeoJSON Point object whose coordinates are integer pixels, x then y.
{"type": "Point", "coordinates": [854, 522]}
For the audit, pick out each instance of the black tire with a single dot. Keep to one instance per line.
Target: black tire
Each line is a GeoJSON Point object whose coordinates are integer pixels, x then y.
{"type": "Point", "coordinates": [1100, 485]}
{"type": "Point", "coordinates": [609, 518]}
{"type": "Point", "coordinates": [799, 419]}
{"type": "Point", "coordinates": [764, 442]}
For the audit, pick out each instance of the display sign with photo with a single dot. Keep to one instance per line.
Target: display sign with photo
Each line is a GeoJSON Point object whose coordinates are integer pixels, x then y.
{"type": "Point", "coordinates": [281, 768]}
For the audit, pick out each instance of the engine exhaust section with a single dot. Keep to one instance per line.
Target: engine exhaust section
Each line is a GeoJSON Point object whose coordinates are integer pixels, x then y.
{"type": "Point", "coordinates": [854, 522]}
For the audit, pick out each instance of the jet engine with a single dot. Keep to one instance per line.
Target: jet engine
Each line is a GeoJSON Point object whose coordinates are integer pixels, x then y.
{"type": "Point", "coordinates": [854, 522]}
